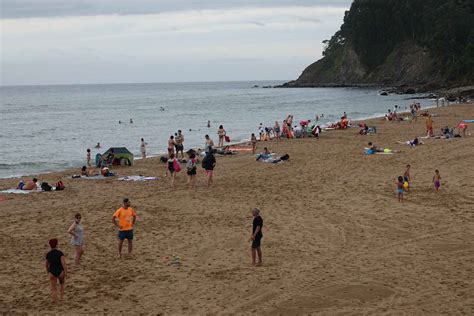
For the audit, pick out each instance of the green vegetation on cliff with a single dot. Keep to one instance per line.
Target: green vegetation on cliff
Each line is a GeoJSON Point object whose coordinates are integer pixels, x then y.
{"type": "Point", "coordinates": [399, 42]}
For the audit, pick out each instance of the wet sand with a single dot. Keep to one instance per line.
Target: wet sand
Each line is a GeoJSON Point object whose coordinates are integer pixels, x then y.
{"type": "Point", "coordinates": [336, 240]}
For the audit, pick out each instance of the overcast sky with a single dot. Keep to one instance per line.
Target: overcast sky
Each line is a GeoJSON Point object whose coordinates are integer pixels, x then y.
{"type": "Point", "coordinates": [115, 41]}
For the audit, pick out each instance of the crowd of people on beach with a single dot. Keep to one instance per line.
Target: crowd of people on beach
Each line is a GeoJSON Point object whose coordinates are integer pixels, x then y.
{"type": "Point", "coordinates": [124, 218]}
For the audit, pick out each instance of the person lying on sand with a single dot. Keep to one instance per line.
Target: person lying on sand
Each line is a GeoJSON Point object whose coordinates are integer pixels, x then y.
{"type": "Point", "coordinates": [29, 185]}
{"type": "Point", "coordinates": [374, 149]}
{"type": "Point", "coordinates": [413, 143]}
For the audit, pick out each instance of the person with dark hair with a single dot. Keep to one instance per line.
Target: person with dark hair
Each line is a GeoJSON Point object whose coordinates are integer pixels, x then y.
{"type": "Point", "coordinates": [209, 163]}
{"type": "Point", "coordinates": [143, 148]}
{"type": "Point", "coordinates": [191, 168]}
{"type": "Point", "coordinates": [256, 237]}
{"type": "Point", "coordinates": [124, 219]}
{"type": "Point", "coordinates": [400, 188]}
{"type": "Point", "coordinates": [209, 143]}
{"type": "Point", "coordinates": [179, 140]}
{"type": "Point", "coordinates": [171, 144]}
{"type": "Point", "coordinates": [88, 157]}
{"type": "Point", "coordinates": [221, 132]}
{"type": "Point", "coordinates": [77, 240]}
{"type": "Point", "coordinates": [30, 185]}
{"type": "Point", "coordinates": [56, 268]}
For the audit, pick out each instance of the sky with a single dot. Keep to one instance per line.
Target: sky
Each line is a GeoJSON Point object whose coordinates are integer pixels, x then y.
{"type": "Point", "coordinates": [128, 41]}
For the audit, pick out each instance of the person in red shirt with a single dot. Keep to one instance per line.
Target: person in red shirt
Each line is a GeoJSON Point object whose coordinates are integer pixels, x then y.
{"type": "Point", "coordinates": [124, 218]}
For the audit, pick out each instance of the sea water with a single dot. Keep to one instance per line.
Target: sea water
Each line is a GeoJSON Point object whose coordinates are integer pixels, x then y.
{"type": "Point", "coordinates": [49, 128]}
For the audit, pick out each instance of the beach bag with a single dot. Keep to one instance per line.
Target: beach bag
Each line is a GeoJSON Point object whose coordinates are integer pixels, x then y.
{"type": "Point", "coordinates": [227, 139]}
{"type": "Point", "coordinates": [46, 187]}
{"type": "Point", "coordinates": [285, 157]}
{"type": "Point", "coordinates": [60, 186]}
{"type": "Point", "coordinates": [176, 165]}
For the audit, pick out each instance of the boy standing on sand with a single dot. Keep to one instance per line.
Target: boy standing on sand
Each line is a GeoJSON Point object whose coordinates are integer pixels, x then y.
{"type": "Point", "coordinates": [124, 218]}
{"type": "Point", "coordinates": [256, 237]}
{"type": "Point", "coordinates": [437, 180]}
{"type": "Point", "coordinates": [179, 140]}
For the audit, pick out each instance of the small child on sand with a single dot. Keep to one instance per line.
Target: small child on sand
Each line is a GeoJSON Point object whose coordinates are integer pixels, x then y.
{"type": "Point", "coordinates": [437, 180]}
{"type": "Point", "coordinates": [407, 179]}
{"type": "Point", "coordinates": [253, 140]}
{"type": "Point", "coordinates": [191, 169]}
{"type": "Point", "coordinates": [400, 189]}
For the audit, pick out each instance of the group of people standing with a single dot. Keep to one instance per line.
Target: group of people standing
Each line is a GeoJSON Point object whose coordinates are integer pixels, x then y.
{"type": "Point", "coordinates": [124, 220]}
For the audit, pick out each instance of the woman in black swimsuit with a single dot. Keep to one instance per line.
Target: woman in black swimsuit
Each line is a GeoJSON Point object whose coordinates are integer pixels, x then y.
{"type": "Point", "coordinates": [56, 268]}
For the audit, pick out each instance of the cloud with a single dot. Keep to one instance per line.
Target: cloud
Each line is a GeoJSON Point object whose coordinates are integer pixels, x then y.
{"type": "Point", "coordinates": [53, 8]}
{"type": "Point", "coordinates": [166, 46]}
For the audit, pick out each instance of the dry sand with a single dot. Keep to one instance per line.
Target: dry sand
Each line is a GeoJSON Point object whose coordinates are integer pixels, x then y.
{"type": "Point", "coordinates": [336, 241]}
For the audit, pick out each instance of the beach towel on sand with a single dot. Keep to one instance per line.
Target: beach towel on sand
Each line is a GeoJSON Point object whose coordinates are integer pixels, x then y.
{"type": "Point", "coordinates": [136, 178]}
{"type": "Point", "coordinates": [16, 191]}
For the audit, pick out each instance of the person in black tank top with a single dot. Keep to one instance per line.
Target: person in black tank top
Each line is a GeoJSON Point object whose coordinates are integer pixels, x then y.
{"type": "Point", "coordinates": [56, 268]}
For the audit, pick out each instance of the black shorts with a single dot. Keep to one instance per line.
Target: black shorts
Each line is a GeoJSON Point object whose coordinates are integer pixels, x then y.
{"type": "Point", "coordinates": [125, 234]}
{"type": "Point", "coordinates": [179, 147]}
{"type": "Point", "coordinates": [192, 172]}
{"type": "Point", "coordinates": [256, 242]}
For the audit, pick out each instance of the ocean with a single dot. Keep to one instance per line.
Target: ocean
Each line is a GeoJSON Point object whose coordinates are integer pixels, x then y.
{"type": "Point", "coordinates": [49, 128]}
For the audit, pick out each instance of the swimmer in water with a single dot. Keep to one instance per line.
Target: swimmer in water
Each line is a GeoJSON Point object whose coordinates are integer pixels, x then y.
{"type": "Point", "coordinates": [98, 145]}
{"type": "Point", "coordinates": [208, 124]}
{"type": "Point", "coordinates": [131, 121]}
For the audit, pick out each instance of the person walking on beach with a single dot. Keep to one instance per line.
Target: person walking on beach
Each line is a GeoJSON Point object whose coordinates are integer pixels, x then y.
{"type": "Point", "coordinates": [437, 180]}
{"type": "Point", "coordinates": [221, 132]}
{"type": "Point", "coordinates": [171, 144]}
{"type": "Point", "coordinates": [191, 169]}
{"type": "Point", "coordinates": [143, 148]}
{"type": "Point", "coordinates": [256, 237]}
{"type": "Point", "coordinates": [88, 157]}
{"type": "Point", "coordinates": [56, 268]}
{"type": "Point", "coordinates": [173, 163]}
{"type": "Point", "coordinates": [209, 163]}
{"type": "Point", "coordinates": [179, 140]}
{"type": "Point", "coordinates": [209, 143]}
{"type": "Point", "coordinates": [400, 189]}
{"type": "Point", "coordinates": [77, 240]}
{"type": "Point", "coordinates": [124, 218]}
{"type": "Point", "coordinates": [253, 140]}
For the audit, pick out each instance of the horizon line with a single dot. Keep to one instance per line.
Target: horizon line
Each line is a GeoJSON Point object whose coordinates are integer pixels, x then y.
{"type": "Point", "coordinates": [137, 83]}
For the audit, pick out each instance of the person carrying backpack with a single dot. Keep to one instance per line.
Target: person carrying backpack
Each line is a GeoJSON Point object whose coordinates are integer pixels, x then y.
{"type": "Point", "coordinates": [208, 163]}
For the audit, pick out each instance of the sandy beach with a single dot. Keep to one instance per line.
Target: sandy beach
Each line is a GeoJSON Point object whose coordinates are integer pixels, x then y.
{"type": "Point", "coordinates": [336, 240]}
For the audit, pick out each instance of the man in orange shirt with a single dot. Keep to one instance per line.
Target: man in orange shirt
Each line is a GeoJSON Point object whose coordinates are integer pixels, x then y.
{"type": "Point", "coordinates": [124, 218]}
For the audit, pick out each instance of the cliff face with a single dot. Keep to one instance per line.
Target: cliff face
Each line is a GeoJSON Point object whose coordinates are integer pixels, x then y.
{"type": "Point", "coordinates": [412, 43]}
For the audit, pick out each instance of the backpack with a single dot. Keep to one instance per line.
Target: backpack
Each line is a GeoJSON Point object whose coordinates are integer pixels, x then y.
{"type": "Point", "coordinates": [60, 186]}
{"type": "Point", "coordinates": [176, 165]}
{"type": "Point", "coordinates": [46, 187]}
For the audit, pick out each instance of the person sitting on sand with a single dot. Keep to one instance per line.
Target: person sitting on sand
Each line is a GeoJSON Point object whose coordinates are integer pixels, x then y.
{"type": "Point", "coordinates": [316, 130]}
{"type": "Point", "coordinates": [30, 185]}
{"type": "Point", "coordinates": [56, 268]}
{"type": "Point", "coordinates": [256, 237]}
{"type": "Point", "coordinates": [266, 154]}
{"type": "Point", "coordinates": [105, 172]}
{"type": "Point", "coordinates": [462, 129]}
